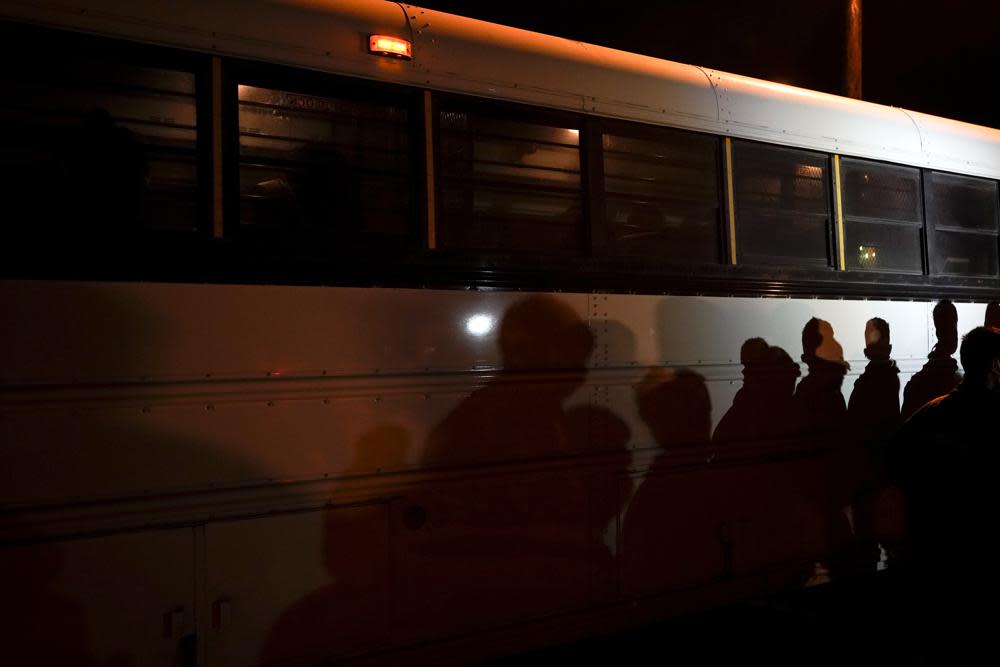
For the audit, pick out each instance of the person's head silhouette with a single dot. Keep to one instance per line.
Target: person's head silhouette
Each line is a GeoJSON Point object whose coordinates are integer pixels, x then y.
{"type": "Point", "coordinates": [819, 345]}
{"type": "Point", "coordinates": [946, 328]}
{"type": "Point", "coordinates": [877, 341]}
{"type": "Point", "coordinates": [981, 358]}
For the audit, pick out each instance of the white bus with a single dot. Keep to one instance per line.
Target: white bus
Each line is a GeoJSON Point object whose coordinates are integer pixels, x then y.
{"type": "Point", "coordinates": [346, 330]}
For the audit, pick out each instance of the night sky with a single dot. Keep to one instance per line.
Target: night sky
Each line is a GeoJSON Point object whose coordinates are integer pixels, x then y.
{"type": "Point", "coordinates": [940, 58]}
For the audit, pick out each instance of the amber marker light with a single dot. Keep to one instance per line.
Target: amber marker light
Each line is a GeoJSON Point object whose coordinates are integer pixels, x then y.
{"type": "Point", "coordinates": [394, 47]}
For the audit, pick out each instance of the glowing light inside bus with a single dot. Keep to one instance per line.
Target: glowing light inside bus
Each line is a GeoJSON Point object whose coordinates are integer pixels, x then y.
{"type": "Point", "coordinates": [383, 45]}
{"type": "Point", "coordinates": [479, 325]}
{"type": "Point", "coordinates": [867, 256]}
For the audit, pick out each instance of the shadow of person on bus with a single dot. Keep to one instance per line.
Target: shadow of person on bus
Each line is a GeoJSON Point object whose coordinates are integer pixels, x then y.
{"type": "Point", "coordinates": [666, 545]}
{"type": "Point", "coordinates": [44, 626]}
{"type": "Point", "coordinates": [939, 374]}
{"type": "Point", "coordinates": [763, 409]}
{"type": "Point", "coordinates": [544, 347]}
{"type": "Point", "coordinates": [508, 532]}
{"type": "Point", "coordinates": [351, 613]}
{"type": "Point", "coordinates": [675, 405]}
{"type": "Point", "coordinates": [608, 436]}
{"type": "Point", "coordinates": [873, 414]}
{"type": "Point", "coordinates": [992, 318]}
{"type": "Point", "coordinates": [109, 456]}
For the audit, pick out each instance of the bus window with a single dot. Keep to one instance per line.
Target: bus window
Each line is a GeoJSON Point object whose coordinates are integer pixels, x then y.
{"type": "Point", "coordinates": [962, 221]}
{"type": "Point", "coordinates": [883, 217]}
{"type": "Point", "coordinates": [508, 185]}
{"type": "Point", "coordinates": [94, 148]}
{"type": "Point", "coordinates": [782, 206]}
{"type": "Point", "coordinates": [316, 166]}
{"type": "Point", "coordinates": [662, 195]}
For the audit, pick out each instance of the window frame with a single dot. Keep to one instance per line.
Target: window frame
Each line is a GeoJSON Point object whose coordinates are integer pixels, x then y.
{"type": "Point", "coordinates": [643, 131]}
{"type": "Point", "coordinates": [283, 78]}
{"type": "Point", "coordinates": [525, 113]}
{"type": "Point", "coordinates": [831, 246]}
{"type": "Point", "coordinates": [920, 225]}
{"type": "Point", "coordinates": [933, 227]}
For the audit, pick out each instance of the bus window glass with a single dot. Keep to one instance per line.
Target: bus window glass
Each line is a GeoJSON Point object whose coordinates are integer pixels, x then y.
{"type": "Point", "coordinates": [957, 254]}
{"type": "Point", "coordinates": [508, 185]}
{"type": "Point", "coordinates": [883, 217]}
{"type": "Point", "coordinates": [962, 215]}
{"type": "Point", "coordinates": [662, 195]}
{"type": "Point", "coordinates": [782, 205]}
{"type": "Point", "coordinates": [315, 165]}
{"type": "Point", "coordinates": [95, 147]}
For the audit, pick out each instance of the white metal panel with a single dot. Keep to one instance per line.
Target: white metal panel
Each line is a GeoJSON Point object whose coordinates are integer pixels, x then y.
{"type": "Point", "coordinates": [297, 587]}
{"type": "Point", "coordinates": [97, 332]}
{"type": "Point", "coordinates": [697, 331]}
{"type": "Point", "coordinates": [961, 147]}
{"type": "Point", "coordinates": [783, 114]}
{"type": "Point", "coordinates": [330, 35]}
{"type": "Point", "coordinates": [498, 61]}
{"type": "Point", "coordinates": [155, 436]}
{"type": "Point", "coordinates": [120, 600]}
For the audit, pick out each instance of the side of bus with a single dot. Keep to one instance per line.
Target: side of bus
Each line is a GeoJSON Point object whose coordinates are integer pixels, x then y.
{"type": "Point", "coordinates": [300, 435]}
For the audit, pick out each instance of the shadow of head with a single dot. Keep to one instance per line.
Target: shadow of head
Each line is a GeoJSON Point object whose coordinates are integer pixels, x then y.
{"type": "Point", "coordinates": [819, 345]}
{"type": "Point", "coordinates": [878, 346]}
{"type": "Point", "coordinates": [946, 328]}
{"type": "Point", "coordinates": [543, 333]}
{"type": "Point", "coordinates": [993, 315]}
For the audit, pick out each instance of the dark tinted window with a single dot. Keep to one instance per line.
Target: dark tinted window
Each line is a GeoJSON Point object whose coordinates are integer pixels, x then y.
{"type": "Point", "coordinates": [337, 168]}
{"type": "Point", "coordinates": [877, 247]}
{"type": "Point", "coordinates": [662, 195]}
{"type": "Point", "coordinates": [782, 205]}
{"type": "Point", "coordinates": [508, 185]}
{"type": "Point", "coordinates": [883, 217]}
{"type": "Point", "coordinates": [95, 146]}
{"type": "Point", "coordinates": [962, 214]}
{"type": "Point", "coordinates": [961, 202]}
{"type": "Point", "coordinates": [964, 254]}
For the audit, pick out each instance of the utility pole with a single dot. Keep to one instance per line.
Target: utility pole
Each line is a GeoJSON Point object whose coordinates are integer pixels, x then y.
{"type": "Point", "coordinates": [852, 47]}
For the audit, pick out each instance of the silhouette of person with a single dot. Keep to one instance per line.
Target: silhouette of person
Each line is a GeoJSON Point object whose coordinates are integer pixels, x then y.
{"type": "Point", "coordinates": [44, 626]}
{"type": "Point", "coordinates": [944, 459]}
{"type": "Point", "coordinates": [81, 201]}
{"type": "Point", "coordinates": [351, 612]}
{"type": "Point", "coordinates": [103, 171]}
{"type": "Point", "coordinates": [873, 413]}
{"type": "Point", "coordinates": [510, 541]}
{"type": "Point", "coordinates": [676, 406]}
{"type": "Point", "coordinates": [762, 409]}
{"type": "Point", "coordinates": [821, 417]}
{"type": "Point", "coordinates": [508, 419]}
{"type": "Point", "coordinates": [874, 404]}
{"type": "Point", "coordinates": [940, 374]}
{"type": "Point", "coordinates": [114, 456]}
{"type": "Point", "coordinates": [993, 315]}
{"type": "Point", "coordinates": [819, 401]}
{"type": "Point", "coordinates": [665, 545]}
{"type": "Point", "coordinates": [321, 201]}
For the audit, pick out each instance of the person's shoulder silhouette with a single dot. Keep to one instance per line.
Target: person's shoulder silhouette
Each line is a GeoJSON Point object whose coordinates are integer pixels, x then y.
{"type": "Point", "coordinates": [944, 460]}
{"type": "Point", "coordinates": [819, 401]}
{"type": "Point", "coordinates": [939, 374]}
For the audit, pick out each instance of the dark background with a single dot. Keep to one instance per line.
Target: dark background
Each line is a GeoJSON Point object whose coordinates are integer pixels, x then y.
{"type": "Point", "coordinates": [935, 57]}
